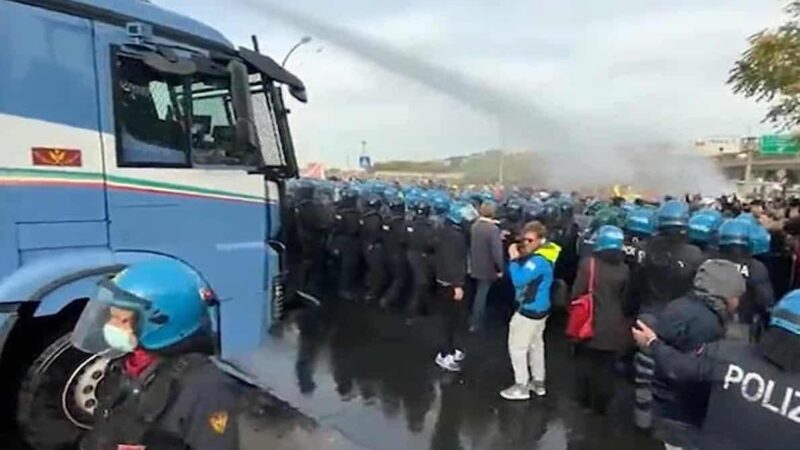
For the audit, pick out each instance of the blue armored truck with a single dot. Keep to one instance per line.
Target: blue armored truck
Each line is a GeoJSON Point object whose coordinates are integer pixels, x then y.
{"type": "Point", "coordinates": [128, 133]}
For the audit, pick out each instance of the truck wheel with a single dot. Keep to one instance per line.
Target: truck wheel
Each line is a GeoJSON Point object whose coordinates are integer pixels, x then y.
{"type": "Point", "coordinates": [57, 396]}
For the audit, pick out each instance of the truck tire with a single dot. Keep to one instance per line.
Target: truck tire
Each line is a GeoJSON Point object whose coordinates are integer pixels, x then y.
{"type": "Point", "coordinates": [56, 397]}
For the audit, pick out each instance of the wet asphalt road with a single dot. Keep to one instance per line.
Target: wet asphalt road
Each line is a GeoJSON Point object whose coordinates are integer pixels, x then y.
{"type": "Point", "coordinates": [367, 379]}
{"type": "Point", "coordinates": [350, 376]}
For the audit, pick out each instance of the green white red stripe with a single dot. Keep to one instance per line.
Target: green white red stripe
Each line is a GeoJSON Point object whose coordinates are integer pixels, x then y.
{"type": "Point", "coordinates": [49, 177]}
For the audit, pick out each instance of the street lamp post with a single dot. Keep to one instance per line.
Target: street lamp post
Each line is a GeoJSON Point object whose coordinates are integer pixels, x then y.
{"type": "Point", "coordinates": [303, 41]}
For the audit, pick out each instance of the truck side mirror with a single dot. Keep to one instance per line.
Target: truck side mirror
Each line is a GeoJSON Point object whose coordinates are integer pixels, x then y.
{"type": "Point", "coordinates": [246, 133]}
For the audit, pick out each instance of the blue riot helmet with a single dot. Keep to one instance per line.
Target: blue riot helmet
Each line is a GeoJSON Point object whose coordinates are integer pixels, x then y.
{"type": "Point", "coordinates": [610, 215]}
{"type": "Point", "coordinates": [304, 190]}
{"type": "Point", "coordinates": [567, 208]}
{"type": "Point", "coordinates": [372, 201]}
{"type": "Point", "coordinates": [164, 302]}
{"type": "Point", "coordinates": [641, 222]}
{"type": "Point", "coordinates": [533, 211]}
{"type": "Point", "coordinates": [672, 214]}
{"type": "Point", "coordinates": [390, 193]}
{"type": "Point", "coordinates": [461, 213]}
{"type": "Point", "coordinates": [786, 313]}
{"type": "Point", "coordinates": [734, 232]}
{"type": "Point", "coordinates": [441, 202]}
{"type": "Point", "coordinates": [395, 202]}
{"type": "Point", "coordinates": [596, 205]}
{"type": "Point", "coordinates": [551, 213]}
{"type": "Point", "coordinates": [421, 207]}
{"type": "Point", "coordinates": [514, 208]}
{"type": "Point", "coordinates": [759, 240]}
{"type": "Point", "coordinates": [703, 226]}
{"type": "Point", "coordinates": [749, 218]}
{"type": "Point", "coordinates": [348, 196]}
{"type": "Point", "coordinates": [608, 237]}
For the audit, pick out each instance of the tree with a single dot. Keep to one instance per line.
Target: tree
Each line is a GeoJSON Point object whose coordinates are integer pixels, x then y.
{"type": "Point", "coordinates": [769, 71]}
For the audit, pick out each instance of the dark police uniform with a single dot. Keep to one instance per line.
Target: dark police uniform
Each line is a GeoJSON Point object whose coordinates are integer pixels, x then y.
{"type": "Point", "coordinates": [395, 240]}
{"type": "Point", "coordinates": [314, 220]}
{"type": "Point", "coordinates": [667, 271]}
{"type": "Point", "coordinates": [374, 253]}
{"type": "Point", "coordinates": [753, 405]}
{"type": "Point", "coordinates": [346, 235]}
{"type": "Point", "coordinates": [420, 242]}
{"type": "Point", "coordinates": [183, 402]}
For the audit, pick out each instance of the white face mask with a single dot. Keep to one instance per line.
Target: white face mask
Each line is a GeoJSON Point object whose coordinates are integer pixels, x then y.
{"type": "Point", "coordinates": [119, 339]}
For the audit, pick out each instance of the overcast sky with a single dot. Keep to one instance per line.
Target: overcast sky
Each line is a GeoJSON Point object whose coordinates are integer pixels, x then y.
{"type": "Point", "coordinates": [615, 70]}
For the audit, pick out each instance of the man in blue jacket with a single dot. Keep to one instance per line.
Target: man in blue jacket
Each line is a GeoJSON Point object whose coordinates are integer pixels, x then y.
{"type": "Point", "coordinates": [531, 272]}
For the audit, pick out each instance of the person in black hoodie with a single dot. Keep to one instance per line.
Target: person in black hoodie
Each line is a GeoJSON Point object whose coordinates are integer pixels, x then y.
{"type": "Point", "coordinates": [606, 274]}
{"type": "Point", "coordinates": [451, 273]}
{"type": "Point", "coordinates": [686, 324]}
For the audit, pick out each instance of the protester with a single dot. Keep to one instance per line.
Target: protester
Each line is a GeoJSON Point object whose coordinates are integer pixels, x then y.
{"type": "Point", "coordinates": [606, 275]}
{"type": "Point", "coordinates": [531, 272]}
{"type": "Point", "coordinates": [688, 323]}
{"type": "Point", "coordinates": [486, 260]}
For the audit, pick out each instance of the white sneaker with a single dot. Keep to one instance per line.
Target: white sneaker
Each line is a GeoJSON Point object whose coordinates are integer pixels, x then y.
{"type": "Point", "coordinates": [516, 392]}
{"type": "Point", "coordinates": [459, 355]}
{"type": "Point", "coordinates": [448, 363]}
{"type": "Point", "coordinates": [537, 387]}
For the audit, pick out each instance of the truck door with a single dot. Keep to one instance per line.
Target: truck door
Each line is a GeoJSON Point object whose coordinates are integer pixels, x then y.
{"type": "Point", "coordinates": [177, 186]}
{"type": "Point", "coordinates": [51, 181]}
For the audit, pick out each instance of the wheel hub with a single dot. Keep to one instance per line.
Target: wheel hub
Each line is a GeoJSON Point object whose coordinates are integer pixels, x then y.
{"type": "Point", "coordinates": [79, 399]}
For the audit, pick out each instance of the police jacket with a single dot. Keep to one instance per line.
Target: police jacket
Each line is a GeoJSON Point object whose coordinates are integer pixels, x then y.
{"type": "Point", "coordinates": [347, 222]}
{"type": "Point", "coordinates": [667, 271]}
{"type": "Point", "coordinates": [395, 234]}
{"type": "Point", "coordinates": [687, 324]}
{"type": "Point", "coordinates": [532, 277]}
{"type": "Point", "coordinates": [451, 255]}
{"type": "Point", "coordinates": [759, 297]}
{"type": "Point", "coordinates": [420, 235]}
{"type": "Point", "coordinates": [182, 402]}
{"type": "Point", "coordinates": [372, 227]}
{"type": "Point", "coordinates": [753, 404]}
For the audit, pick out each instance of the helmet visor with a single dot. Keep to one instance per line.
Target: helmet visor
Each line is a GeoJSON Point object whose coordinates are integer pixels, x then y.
{"type": "Point", "coordinates": [88, 332]}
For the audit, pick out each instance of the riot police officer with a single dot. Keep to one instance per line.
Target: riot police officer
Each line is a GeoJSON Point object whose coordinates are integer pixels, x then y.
{"type": "Point", "coordinates": [315, 216]}
{"type": "Point", "coordinates": [420, 242]}
{"type": "Point", "coordinates": [670, 261]}
{"type": "Point", "coordinates": [347, 240]}
{"type": "Point", "coordinates": [373, 247]}
{"type": "Point", "coordinates": [735, 246]}
{"type": "Point", "coordinates": [639, 228]}
{"type": "Point", "coordinates": [703, 229]}
{"type": "Point", "coordinates": [163, 392]}
{"type": "Point", "coordinates": [752, 405]}
{"type": "Point", "coordinates": [667, 272]}
{"type": "Point", "coordinates": [395, 240]}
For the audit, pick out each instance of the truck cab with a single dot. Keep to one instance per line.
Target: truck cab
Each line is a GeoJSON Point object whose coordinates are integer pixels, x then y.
{"type": "Point", "coordinates": [129, 133]}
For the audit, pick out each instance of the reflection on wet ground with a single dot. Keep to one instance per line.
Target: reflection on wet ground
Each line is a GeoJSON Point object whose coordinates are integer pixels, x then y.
{"type": "Point", "coordinates": [367, 379]}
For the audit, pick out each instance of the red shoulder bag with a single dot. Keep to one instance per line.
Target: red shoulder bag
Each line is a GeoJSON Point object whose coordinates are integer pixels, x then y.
{"type": "Point", "coordinates": [580, 323]}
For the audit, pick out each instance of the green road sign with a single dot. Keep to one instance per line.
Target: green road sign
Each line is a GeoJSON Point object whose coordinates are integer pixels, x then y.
{"type": "Point", "coordinates": [779, 144]}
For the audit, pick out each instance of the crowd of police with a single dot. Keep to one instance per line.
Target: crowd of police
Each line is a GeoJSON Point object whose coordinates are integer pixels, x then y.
{"type": "Point", "coordinates": [395, 246]}
{"type": "Point", "coordinates": [718, 356]}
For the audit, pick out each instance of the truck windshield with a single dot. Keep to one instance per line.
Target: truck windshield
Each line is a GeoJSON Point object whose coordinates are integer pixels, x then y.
{"type": "Point", "coordinates": [167, 120]}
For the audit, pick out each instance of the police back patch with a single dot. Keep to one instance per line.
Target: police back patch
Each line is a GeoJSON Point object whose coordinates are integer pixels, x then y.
{"type": "Point", "coordinates": [218, 421]}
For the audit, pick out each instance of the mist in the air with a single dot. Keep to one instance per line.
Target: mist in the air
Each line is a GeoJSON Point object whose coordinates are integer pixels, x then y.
{"type": "Point", "coordinates": [575, 152]}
